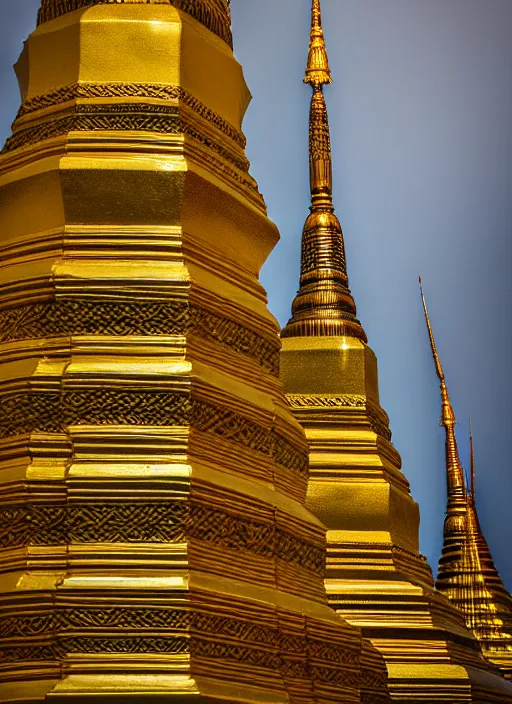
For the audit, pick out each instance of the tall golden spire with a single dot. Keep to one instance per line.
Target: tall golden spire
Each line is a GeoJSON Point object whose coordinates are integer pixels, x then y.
{"type": "Point", "coordinates": [454, 471]}
{"type": "Point", "coordinates": [466, 574]}
{"type": "Point", "coordinates": [468, 577]}
{"type": "Point", "coordinates": [375, 576]}
{"type": "Point", "coordinates": [324, 304]}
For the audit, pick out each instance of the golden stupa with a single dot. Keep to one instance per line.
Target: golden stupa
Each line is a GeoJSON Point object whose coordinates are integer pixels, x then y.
{"type": "Point", "coordinates": [154, 539]}
{"type": "Point", "coordinates": [376, 577]}
{"type": "Point", "coordinates": [467, 574]}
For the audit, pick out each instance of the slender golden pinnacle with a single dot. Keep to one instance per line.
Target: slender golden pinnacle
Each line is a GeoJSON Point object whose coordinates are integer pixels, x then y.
{"type": "Point", "coordinates": [472, 454]}
{"type": "Point", "coordinates": [375, 576]}
{"type": "Point", "coordinates": [466, 574]}
{"type": "Point", "coordinates": [324, 304]}
{"type": "Point", "coordinates": [455, 473]}
{"type": "Point", "coordinates": [468, 577]}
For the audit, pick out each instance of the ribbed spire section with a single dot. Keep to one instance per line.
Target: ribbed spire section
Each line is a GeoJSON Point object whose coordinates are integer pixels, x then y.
{"type": "Point", "coordinates": [324, 304]}
{"type": "Point", "coordinates": [467, 575]}
{"type": "Point", "coordinates": [454, 471]}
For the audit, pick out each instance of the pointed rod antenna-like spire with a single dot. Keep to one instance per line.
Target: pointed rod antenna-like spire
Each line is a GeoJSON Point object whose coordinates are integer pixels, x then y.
{"type": "Point", "coordinates": [472, 455]}
{"type": "Point", "coordinates": [455, 473]}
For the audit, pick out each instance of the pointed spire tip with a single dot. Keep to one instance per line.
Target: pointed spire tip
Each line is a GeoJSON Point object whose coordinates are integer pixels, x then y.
{"type": "Point", "coordinates": [454, 471]}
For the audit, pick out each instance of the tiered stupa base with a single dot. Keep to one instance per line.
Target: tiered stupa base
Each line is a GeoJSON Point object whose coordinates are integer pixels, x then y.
{"type": "Point", "coordinates": [376, 578]}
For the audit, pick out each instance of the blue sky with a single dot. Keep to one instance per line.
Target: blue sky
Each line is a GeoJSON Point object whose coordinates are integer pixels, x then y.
{"type": "Point", "coordinates": [421, 120]}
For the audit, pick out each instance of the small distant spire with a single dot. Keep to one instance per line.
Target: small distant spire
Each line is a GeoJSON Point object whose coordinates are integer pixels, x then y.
{"type": "Point", "coordinates": [318, 72]}
{"type": "Point", "coordinates": [455, 472]}
{"type": "Point", "coordinates": [324, 304]}
{"type": "Point", "coordinates": [472, 453]}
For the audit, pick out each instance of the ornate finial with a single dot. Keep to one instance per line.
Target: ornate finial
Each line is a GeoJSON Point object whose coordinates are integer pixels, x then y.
{"type": "Point", "coordinates": [324, 304]}
{"type": "Point", "coordinates": [318, 72]}
{"type": "Point", "coordinates": [455, 472]}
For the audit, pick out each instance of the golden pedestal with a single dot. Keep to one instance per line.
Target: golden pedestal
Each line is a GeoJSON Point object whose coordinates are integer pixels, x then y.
{"type": "Point", "coordinates": [376, 578]}
{"type": "Point", "coordinates": [154, 538]}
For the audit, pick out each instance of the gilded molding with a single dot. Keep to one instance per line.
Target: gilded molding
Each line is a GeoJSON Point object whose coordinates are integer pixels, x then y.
{"type": "Point", "coordinates": [119, 117]}
{"type": "Point", "coordinates": [245, 643]}
{"type": "Point", "coordinates": [213, 14]}
{"type": "Point", "coordinates": [157, 91]}
{"type": "Point", "coordinates": [169, 522]}
{"type": "Point", "coordinates": [314, 401]}
{"type": "Point", "coordinates": [54, 412]}
{"type": "Point", "coordinates": [123, 318]}
{"type": "Point", "coordinates": [376, 416]}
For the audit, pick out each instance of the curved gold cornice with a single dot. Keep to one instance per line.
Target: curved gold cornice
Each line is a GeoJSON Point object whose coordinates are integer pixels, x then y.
{"type": "Point", "coordinates": [213, 14]}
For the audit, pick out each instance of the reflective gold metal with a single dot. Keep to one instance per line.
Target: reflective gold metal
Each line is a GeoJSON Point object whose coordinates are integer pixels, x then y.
{"type": "Point", "coordinates": [154, 539]}
{"type": "Point", "coordinates": [467, 574]}
{"type": "Point", "coordinates": [376, 578]}
{"type": "Point", "coordinates": [324, 304]}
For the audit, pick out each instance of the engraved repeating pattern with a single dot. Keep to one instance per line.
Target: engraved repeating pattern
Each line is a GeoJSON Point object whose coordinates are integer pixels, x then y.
{"type": "Point", "coordinates": [323, 248]}
{"type": "Point", "coordinates": [319, 133]}
{"type": "Point", "coordinates": [213, 14]}
{"type": "Point", "coordinates": [115, 618]}
{"type": "Point", "coordinates": [82, 317]}
{"type": "Point", "coordinates": [377, 423]}
{"type": "Point", "coordinates": [94, 609]}
{"type": "Point", "coordinates": [374, 698]}
{"type": "Point", "coordinates": [170, 522]}
{"type": "Point", "coordinates": [131, 90]}
{"type": "Point", "coordinates": [234, 335]}
{"type": "Point", "coordinates": [49, 412]}
{"type": "Point", "coordinates": [140, 117]}
{"type": "Point", "coordinates": [63, 647]}
{"type": "Point", "coordinates": [244, 642]}
{"type": "Point", "coordinates": [347, 401]}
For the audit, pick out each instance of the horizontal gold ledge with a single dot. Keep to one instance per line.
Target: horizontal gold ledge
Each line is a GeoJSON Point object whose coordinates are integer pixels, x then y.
{"type": "Point", "coordinates": [148, 688]}
{"type": "Point", "coordinates": [199, 584]}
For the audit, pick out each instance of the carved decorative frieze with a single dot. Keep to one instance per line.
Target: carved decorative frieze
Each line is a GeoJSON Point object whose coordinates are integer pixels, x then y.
{"type": "Point", "coordinates": [54, 412]}
{"type": "Point", "coordinates": [318, 401]}
{"type": "Point", "coordinates": [138, 117]}
{"type": "Point", "coordinates": [158, 91]}
{"type": "Point", "coordinates": [84, 317]}
{"type": "Point", "coordinates": [164, 522]}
